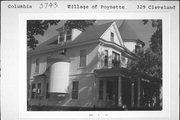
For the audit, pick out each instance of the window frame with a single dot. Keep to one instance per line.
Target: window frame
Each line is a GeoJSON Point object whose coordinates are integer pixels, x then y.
{"type": "Point", "coordinates": [112, 36]}
{"type": "Point", "coordinates": [137, 48]}
{"type": "Point", "coordinates": [65, 35]}
{"type": "Point", "coordinates": [37, 65]}
{"type": "Point", "coordinates": [83, 58]}
{"type": "Point", "coordinates": [75, 90]}
{"type": "Point", "coordinates": [116, 59]}
{"type": "Point", "coordinates": [61, 36]}
{"type": "Point", "coordinates": [106, 58]}
{"type": "Point", "coordinates": [68, 35]}
{"type": "Point", "coordinates": [39, 87]}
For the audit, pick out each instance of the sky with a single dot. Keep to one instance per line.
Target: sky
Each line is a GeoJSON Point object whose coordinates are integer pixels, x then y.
{"type": "Point", "coordinates": [144, 32]}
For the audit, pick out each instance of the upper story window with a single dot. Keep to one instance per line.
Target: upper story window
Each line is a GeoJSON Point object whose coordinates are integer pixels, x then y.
{"type": "Point", "coordinates": [123, 58]}
{"type": "Point", "coordinates": [61, 36]}
{"type": "Point", "coordinates": [106, 58]}
{"type": "Point", "coordinates": [115, 59]}
{"type": "Point", "coordinates": [37, 66]}
{"type": "Point", "coordinates": [112, 37]}
{"type": "Point", "coordinates": [39, 89]}
{"type": "Point", "coordinates": [82, 58]}
{"type": "Point", "coordinates": [68, 35]}
{"type": "Point", "coordinates": [64, 35]}
{"type": "Point", "coordinates": [137, 48]}
{"type": "Point", "coordinates": [75, 89]}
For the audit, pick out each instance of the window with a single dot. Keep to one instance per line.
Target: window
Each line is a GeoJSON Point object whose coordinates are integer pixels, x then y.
{"type": "Point", "coordinates": [68, 35]}
{"type": "Point", "coordinates": [33, 91]}
{"type": "Point", "coordinates": [47, 59]}
{"type": "Point", "coordinates": [37, 65]}
{"type": "Point", "coordinates": [82, 58]}
{"type": "Point", "coordinates": [123, 59]}
{"type": "Point", "coordinates": [106, 58]}
{"type": "Point", "coordinates": [115, 59]}
{"type": "Point", "coordinates": [39, 89]}
{"type": "Point", "coordinates": [61, 39]}
{"type": "Point", "coordinates": [75, 90]}
{"type": "Point", "coordinates": [47, 88]}
{"type": "Point", "coordinates": [101, 89]}
{"type": "Point", "coordinates": [112, 37]}
{"type": "Point", "coordinates": [137, 49]}
{"type": "Point", "coordinates": [64, 35]}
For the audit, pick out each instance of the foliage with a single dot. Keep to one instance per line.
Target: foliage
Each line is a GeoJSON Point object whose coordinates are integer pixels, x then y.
{"type": "Point", "coordinates": [79, 24]}
{"type": "Point", "coordinates": [156, 38]}
{"type": "Point", "coordinates": [38, 27]}
{"type": "Point", "coordinates": [150, 62]}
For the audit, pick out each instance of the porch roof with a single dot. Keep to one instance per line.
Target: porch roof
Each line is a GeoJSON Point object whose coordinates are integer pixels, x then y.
{"type": "Point", "coordinates": [124, 72]}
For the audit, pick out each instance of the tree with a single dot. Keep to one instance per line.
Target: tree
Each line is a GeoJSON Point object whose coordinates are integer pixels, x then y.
{"type": "Point", "coordinates": [79, 24]}
{"type": "Point", "coordinates": [156, 38]}
{"type": "Point", "coordinates": [150, 62]}
{"type": "Point", "coordinates": [38, 27]}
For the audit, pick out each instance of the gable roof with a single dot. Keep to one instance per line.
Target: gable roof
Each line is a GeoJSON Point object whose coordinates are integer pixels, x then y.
{"type": "Point", "coordinates": [128, 34]}
{"type": "Point", "coordinates": [93, 33]}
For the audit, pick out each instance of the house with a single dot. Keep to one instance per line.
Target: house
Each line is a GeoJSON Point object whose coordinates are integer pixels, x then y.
{"type": "Point", "coordinates": [85, 69]}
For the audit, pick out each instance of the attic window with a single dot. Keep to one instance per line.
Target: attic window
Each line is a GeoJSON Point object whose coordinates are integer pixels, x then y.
{"type": "Point", "coordinates": [64, 35]}
{"type": "Point", "coordinates": [61, 36]}
{"type": "Point", "coordinates": [68, 35]}
{"type": "Point", "coordinates": [112, 37]}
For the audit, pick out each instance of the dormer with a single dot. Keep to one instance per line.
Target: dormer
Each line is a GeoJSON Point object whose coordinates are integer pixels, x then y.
{"type": "Point", "coordinates": [66, 35]}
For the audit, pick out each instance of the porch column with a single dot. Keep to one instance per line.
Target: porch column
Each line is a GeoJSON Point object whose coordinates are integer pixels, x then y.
{"type": "Point", "coordinates": [132, 94]}
{"type": "Point", "coordinates": [119, 91]}
{"type": "Point", "coordinates": [139, 92]}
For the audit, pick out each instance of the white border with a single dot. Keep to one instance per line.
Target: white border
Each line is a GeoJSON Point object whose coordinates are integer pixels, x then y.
{"type": "Point", "coordinates": [85, 114]}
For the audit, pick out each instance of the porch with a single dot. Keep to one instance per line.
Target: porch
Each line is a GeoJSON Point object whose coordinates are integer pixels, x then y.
{"type": "Point", "coordinates": [118, 88]}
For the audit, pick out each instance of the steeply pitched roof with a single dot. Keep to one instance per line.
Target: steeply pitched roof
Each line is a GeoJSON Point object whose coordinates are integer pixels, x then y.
{"type": "Point", "coordinates": [93, 32]}
{"type": "Point", "coordinates": [128, 34]}
{"type": "Point", "coordinates": [90, 34]}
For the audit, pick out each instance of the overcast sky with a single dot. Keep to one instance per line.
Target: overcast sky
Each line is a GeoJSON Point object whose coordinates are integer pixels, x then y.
{"type": "Point", "coordinates": [144, 32]}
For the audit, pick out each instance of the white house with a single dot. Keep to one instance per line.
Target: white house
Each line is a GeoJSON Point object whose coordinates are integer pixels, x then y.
{"type": "Point", "coordinates": [85, 68]}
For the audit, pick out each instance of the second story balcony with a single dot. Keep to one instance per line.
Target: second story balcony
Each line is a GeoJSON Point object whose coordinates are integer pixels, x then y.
{"type": "Point", "coordinates": [114, 60]}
